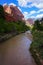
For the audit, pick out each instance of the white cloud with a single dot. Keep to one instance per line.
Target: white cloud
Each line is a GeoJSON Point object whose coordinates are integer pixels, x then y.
{"type": "Point", "coordinates": [36, 3]}
{"type": "Point", "coordinates": [41, 10]}
{"type": "Point", "coordinates": [32, 17]}
{"type": "Point", "coordinates": [22, 2]}
{"type": "Point", "coordinates": [19, 9]}
{"type": "Point", "coordinates": [26, 14]}
{"type": "Point", "coordinates": [4, 4]}
{"type": "Point", "coordinates": [39, 16]}
{"type": "Point", "coordinates": [9, 4]}
{"type": "Point", "coordinates": [35, 12]}
{"type": "Point", "coordinates": [40, 5]}
{"type": "Point", "coordinates": [12, 4]}
{"type": "Point", "coordinates": [32, 12]}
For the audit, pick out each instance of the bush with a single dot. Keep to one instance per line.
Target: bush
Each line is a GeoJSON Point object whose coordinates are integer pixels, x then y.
{"type": "Point", "coordinates": [37, 43]}
{"type": "Point", "coordinates": [38, 25]}
{"type": "Point", "coordinates": [6, 27]}
{"type": "Point", "coordinates": [1, 12]}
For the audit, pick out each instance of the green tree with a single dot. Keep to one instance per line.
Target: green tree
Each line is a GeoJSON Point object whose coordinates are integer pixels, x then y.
{"type": "Point", "coordinates": [38, 25]}
{"type": "Point", "coordinates": [1, 12]}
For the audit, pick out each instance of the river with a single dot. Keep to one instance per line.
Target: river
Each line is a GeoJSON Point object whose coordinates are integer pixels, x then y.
{"type": "Point", "coordinates": [15, 51]}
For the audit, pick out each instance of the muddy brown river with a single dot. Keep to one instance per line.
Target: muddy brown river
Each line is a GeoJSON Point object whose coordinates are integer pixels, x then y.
{"type": "Point", "coordinates": [15, 51]}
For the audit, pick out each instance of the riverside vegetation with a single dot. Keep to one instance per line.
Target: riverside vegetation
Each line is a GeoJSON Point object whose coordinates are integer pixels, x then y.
{"type": "Point", "coordinates": [10, 27]}
{"type": "Point", "coordinates": [36, 47]}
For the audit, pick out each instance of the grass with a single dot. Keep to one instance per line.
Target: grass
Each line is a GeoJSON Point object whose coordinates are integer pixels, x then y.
{"type": "Point", "coordinates": [36, 47]}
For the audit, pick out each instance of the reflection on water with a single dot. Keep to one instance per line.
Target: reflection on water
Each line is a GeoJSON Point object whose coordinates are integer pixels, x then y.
{"type": "Point", "coordinates": [16, 51]}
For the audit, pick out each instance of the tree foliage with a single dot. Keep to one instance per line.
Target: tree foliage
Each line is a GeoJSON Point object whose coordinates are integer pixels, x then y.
{"type": "Point", "coordinates": [1, 12]}
{"type": "Point", "coordinates": [38, 25]}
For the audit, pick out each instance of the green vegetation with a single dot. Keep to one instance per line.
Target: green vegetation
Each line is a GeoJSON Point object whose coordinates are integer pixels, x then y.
{"type": "Point", "coordinates": [36, 47]}
{"type": "Point", "coordinates": [9, 27]}
{"type": "Point", "coordinates": [1, 12]}
{"type": "Point", "coordinates": [38, 25]}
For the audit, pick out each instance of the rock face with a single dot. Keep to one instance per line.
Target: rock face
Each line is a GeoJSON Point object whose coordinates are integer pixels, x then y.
{"type": "Point", "coordinates": [12, 13]}
{"type": "Point", "coordinates": [30, 21]}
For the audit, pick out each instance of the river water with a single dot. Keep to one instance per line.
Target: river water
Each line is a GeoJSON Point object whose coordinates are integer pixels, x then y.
{"type": "Point", "coordinates": [15, 51]}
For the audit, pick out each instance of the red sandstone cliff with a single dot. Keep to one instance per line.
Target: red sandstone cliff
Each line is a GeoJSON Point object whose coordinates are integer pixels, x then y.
{"type": "Point", "coordinates": [12, 13]}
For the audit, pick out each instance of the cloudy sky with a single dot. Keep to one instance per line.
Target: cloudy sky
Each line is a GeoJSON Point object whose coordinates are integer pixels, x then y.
{"type": "Point", "coordinates": [30, 8]}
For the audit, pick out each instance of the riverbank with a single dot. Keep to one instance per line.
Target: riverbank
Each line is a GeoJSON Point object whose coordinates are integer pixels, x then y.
{"type": "Point", "coordinates": [8, 36]}
{"type": "Point", "coordinates": [36, 47]}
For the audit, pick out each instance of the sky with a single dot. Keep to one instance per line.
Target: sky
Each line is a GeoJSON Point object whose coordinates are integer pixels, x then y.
{"type": "Point", "coordinates": [29, 8]}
